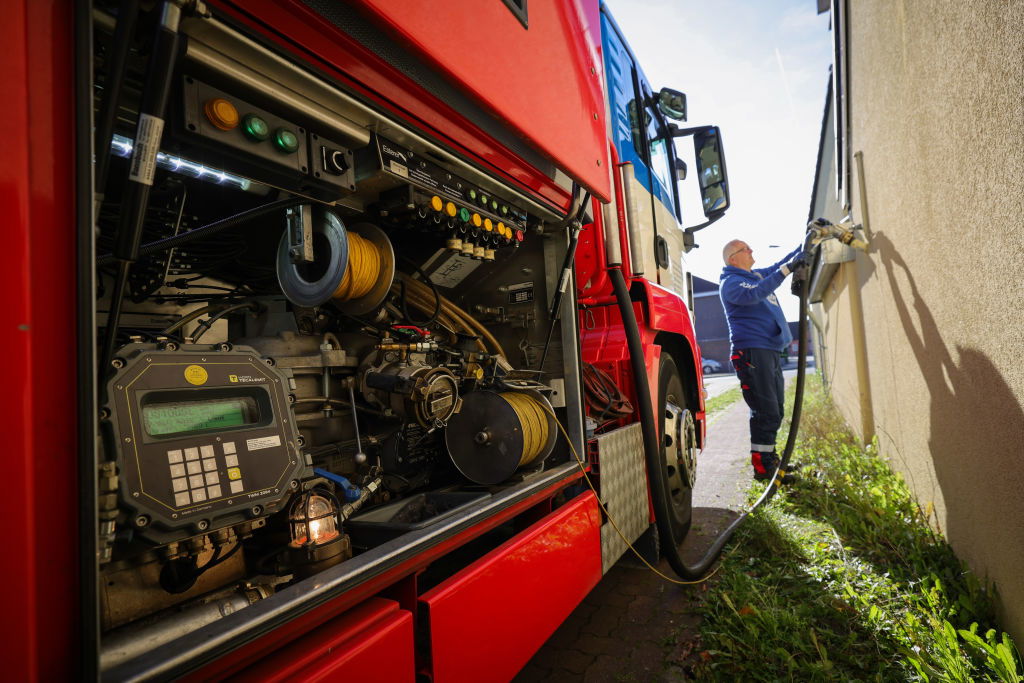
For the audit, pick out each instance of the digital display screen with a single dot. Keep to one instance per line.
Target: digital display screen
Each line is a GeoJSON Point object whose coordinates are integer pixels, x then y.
{"type": "Point", "coordinates": [182, 417]}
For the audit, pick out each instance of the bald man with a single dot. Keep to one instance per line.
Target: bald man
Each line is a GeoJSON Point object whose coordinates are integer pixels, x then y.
{"type": "Point", "coordinates": [758, 332]}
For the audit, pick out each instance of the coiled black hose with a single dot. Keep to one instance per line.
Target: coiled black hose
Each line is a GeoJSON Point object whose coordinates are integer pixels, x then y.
{"type": "Point", "coordinates": [652, 451]}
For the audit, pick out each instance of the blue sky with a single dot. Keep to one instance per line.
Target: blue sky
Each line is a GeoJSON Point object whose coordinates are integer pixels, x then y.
{"type": "Point", "coordinates": [758, 69]}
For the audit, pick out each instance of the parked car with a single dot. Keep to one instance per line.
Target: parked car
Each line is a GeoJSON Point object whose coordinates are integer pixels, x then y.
{"type": "Point", "coordinates": [711, 365]}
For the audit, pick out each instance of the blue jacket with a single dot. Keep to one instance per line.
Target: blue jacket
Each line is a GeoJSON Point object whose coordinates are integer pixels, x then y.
{"type": "Point", "coordinates": [755, 318]}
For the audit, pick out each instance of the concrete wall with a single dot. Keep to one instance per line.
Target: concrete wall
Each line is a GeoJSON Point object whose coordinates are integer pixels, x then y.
{"type": "Point", "coordinates": [936, 104]}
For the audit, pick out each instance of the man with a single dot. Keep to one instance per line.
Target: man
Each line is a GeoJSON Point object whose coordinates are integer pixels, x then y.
{"type": "Point", "coordinates": [758, 332]}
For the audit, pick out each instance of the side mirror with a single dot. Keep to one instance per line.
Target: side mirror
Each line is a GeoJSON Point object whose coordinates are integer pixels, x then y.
{"type": "Point", "coordinates": [672, 104]}
{"type": "Point", "coordinates": [714, 183]}
{"type": "Point", "coordinates": [680, 170]}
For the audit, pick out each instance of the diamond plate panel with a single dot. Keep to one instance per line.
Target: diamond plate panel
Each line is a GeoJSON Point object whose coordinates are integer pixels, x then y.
{"type": "Point", "coordinates": [623, 489]}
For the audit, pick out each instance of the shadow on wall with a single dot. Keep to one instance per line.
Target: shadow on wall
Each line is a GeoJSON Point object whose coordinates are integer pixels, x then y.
{"type": "Point", "coordinates": [977, 428]}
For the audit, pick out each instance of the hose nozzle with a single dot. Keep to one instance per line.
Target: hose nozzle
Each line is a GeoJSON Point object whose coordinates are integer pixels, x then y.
{"type": "Point", "coordinates": [820, 229]}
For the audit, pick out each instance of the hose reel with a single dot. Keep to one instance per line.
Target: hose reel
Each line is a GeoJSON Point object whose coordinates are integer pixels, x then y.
{"type": "Point", "coordinates": [497, 433]}
{"type": "Point", "coordinates": [352, 266]}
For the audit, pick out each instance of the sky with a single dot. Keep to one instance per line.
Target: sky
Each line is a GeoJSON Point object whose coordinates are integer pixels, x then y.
{"type": "Point", "coordinates": [759, 70]}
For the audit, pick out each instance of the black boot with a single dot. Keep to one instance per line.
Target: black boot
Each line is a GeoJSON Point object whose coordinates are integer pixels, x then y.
{"type": "Point", "coordinates": [765, 464]}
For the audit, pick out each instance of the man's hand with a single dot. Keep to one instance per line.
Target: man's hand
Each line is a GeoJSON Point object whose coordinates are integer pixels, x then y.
{"type": "Point", "coordinates": [801, 259]}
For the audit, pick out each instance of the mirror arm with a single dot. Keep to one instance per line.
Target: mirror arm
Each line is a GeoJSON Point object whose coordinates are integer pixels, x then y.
{"type": "Point", "coordinates": [688, 241]}
{"type": "Point", "coordinates": [683, 132]}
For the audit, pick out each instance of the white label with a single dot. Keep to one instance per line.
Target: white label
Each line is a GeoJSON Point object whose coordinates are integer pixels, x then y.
{"type": "Point", "coordinates": [265, 442]}
{"type": "Point", "coordinates": [451, 269]}
{"type": "Point", "coordinates": [147, 144]}
{"type": "Point", "coordinates": [399, 169]}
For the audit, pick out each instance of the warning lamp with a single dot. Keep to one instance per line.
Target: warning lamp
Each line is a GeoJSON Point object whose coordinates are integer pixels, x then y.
{"type": "Point", "coordinates": [316, 538]}
{"type": "Point", "coordinates": [221, 113]}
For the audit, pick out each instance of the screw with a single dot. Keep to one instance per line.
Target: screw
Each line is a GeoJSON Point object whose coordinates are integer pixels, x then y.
{"type": "Point", "coordinates": [141, 521]}
{"type": "Point", "coordinates": [256, 510]}
{"type": "Point", "coordinates": [295, 484]}
{"type": "Point", "coordinates": [203, 525]}
{"type": "Point", "coordinates": [127, 439]}
{"type": "Point", "coordinates": [135, 494]}
{"type": "Point", "coordinates": [117, 363]}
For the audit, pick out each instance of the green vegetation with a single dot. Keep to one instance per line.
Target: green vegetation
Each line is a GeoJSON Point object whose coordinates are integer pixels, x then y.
{"type": "Point", "coordinates": [841, 578]}
{"type": "Point", "coordinates": [719, 403]}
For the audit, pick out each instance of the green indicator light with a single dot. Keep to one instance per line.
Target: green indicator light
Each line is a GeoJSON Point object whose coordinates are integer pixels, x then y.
{"type": "Point", "coordinates": [504, 210]}
{"type": "Point", "coordinates": [472, 194]}
{"type": "Point", "coordinates": [255, 128]}
{"type": "Point", "coordinates": [464, 214]}
{"type": "Point", "coordinates": [483, 199]}
{"type": "Point", "coordinates": [494, 204]}
{"type": "Point", "coordinates": [286, 140]}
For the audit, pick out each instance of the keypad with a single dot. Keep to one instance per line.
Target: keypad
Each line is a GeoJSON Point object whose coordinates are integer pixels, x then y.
{"type": "Point", "coordinates": [194, 476]}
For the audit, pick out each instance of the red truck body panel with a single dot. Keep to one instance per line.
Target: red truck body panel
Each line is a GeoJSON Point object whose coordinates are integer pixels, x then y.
{"type": "Point", "coordinates": [38, 511]}
{"type": "Point", "coordinates": [485, 622]}
{"type": "Point", "coordinates": [481, 45]}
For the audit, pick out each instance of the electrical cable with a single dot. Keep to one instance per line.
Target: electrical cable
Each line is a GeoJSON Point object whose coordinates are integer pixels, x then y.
{"type": "Point", "coordinates": [210, 229]}
{"type": "Point", "coordinates": [652, 450]}
{"type": "Point", "coordinates": [603, 395]}
{"type": "Point", "coordinates": [205, 325]}
{"type": "Point", "coordinates": [363, 271]}
{"type": "Point", "coordinates": [124, 33]}
{"type": "Point", "coordinates": [566, 274]}
{"type": "Point", "coordinates": [611, 520]}
{"type": "Point", "coordinates": [531, 414]}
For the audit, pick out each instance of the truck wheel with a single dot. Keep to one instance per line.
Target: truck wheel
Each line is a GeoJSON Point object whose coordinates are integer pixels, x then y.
{"type": "Point", "coordinates": [679, 445]}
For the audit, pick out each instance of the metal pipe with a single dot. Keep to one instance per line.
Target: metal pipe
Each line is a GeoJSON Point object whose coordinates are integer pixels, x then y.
{"type": "Point", "coordinates": [130, 641]}
{"type": "Point", "coordinates": [860, 343]}
{"type": "Point", "coordinates": [633, 227]}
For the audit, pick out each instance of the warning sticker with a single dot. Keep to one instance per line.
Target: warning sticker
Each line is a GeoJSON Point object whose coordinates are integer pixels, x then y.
{"type": "Point", "coordinates": [147, 144]}
{"type": "Point", "coordinates": [196, 374]}
{"type": "Point", "coordinates": [398, 169]}
{"type": "Point", "coordinates": [448, 269]}
{"type": "Point", "coordinates": [264, 442]}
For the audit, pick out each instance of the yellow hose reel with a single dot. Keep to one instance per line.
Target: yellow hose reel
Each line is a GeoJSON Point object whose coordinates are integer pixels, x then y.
{"type": "Point", "coordinates": [353, 266]}
{"type": "Point", "coordinates": [495, 434]}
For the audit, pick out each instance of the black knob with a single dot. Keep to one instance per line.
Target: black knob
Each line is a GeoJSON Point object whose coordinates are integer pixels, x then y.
{"type": "Point", "coordinates": [334, 161]}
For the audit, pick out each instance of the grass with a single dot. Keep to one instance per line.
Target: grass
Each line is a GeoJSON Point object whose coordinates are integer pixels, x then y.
{"type": "Point", "coordinates": [841, 578]}
{"type": "Point", "coordinates": [717, 404]}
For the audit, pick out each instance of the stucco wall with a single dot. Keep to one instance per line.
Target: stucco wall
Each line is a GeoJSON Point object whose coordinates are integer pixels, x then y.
{"type": "Point", "coordinates": [936, 92]}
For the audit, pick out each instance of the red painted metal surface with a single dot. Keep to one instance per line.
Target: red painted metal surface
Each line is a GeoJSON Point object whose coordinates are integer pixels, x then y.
{"type": "Point", "coordinates": [284, 635]}
{"type": "Point", "coordinates": [373, 642]}
{"type": "Point", "coordinates": [549, 74]}
{"type": "Point", "coordinates": [309, 37]}
{"type": "Point", "coordinates": [38, 511]}
{"type": "Point", "coordinates": [488, 620]}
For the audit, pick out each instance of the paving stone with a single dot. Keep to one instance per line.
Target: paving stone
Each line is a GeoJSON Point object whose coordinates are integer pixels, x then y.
{"type": "Point", "coordinates": [593, 645]}
{"type": "Point", "coordinates": [574, 661]}
{"type": "Point", "coordinates": [606, 669]}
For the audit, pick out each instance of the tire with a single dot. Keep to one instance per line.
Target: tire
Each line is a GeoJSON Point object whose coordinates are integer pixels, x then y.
{"type": "Point", "coordinates": [679, 445]}
{"type": "Point", "coordinates": [708, 369]}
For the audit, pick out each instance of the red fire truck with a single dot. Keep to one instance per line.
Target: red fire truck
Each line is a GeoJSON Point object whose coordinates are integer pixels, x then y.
{"type": "Point", "coordinates": [318, 313]}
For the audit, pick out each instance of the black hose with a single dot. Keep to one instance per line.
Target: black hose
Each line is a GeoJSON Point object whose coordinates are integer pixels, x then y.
{"type": "Point", "coordinates": [209, 229]}
{"type": "Point", "coordinates": [653, 453]}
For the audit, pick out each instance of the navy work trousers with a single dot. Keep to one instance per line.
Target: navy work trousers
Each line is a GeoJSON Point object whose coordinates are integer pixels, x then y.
{"type": "Point", "coordinates": [760, 374]}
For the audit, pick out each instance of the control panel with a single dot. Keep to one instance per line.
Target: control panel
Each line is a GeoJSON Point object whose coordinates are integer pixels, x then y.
{"type": "Point", "coordinates": [217, 125]}
{"type": "Point", "coordinates": [204, 438]}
